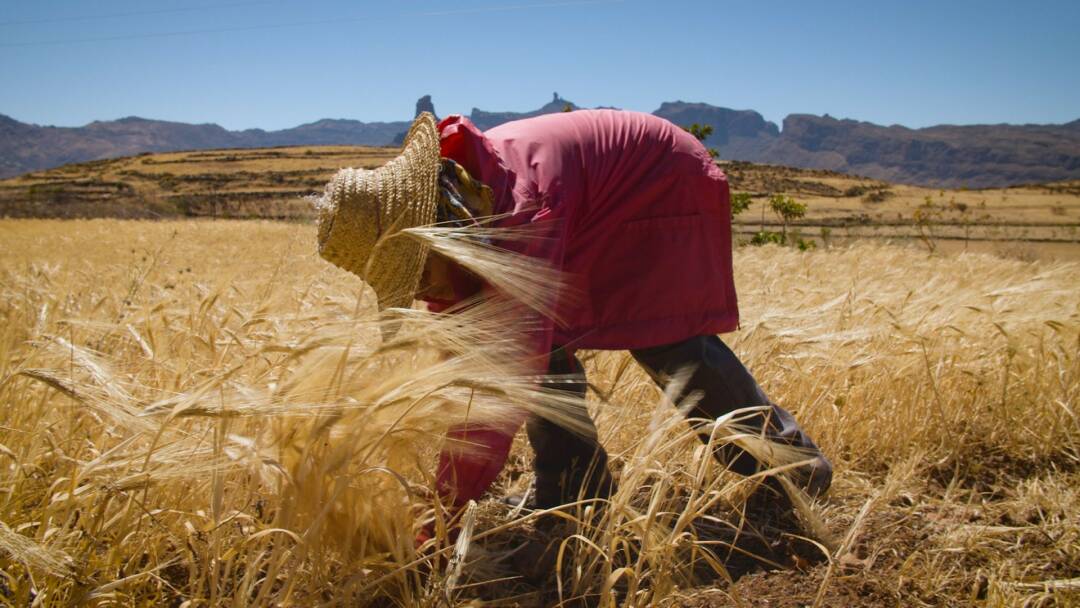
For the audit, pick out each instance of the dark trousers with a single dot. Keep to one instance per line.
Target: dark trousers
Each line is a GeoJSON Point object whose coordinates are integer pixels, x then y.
{"type": "Point", "coordinates": [568, 464]}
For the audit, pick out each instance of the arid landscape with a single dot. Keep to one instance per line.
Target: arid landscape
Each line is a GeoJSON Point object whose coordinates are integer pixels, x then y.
{"type": "Point", "coordinates": [200, 411]}
{"type": "Point", "coordinates": [265, 183]}
{"type": "Point", "coordinates": [1033, 221]}
{"type": "Point", "coordinates": [969, 155]}
{"type": "Point", "coordinates": [323, 304]}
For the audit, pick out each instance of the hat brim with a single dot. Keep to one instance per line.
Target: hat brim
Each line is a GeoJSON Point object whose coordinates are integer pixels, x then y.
{"type": "Point", "coordinates": [364, 212]}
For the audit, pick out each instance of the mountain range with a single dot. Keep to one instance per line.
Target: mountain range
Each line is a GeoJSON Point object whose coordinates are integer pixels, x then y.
{"type": "Point", "coordinates": [974, 156]}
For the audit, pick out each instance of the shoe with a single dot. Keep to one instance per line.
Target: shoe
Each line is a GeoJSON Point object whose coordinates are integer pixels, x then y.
{"type": "Point", "coordinates": [815, 478]}
{"type": "Point", "coordinates": [525, 503]}
{"type": "Point", "coordinates": [543, 496]}
{"type": "Point", "coordinates": [546, 492]}
{"type": "Point", "coordinates": [525, 500]}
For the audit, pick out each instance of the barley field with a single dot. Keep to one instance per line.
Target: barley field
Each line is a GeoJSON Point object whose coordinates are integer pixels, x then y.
{"type": "Point", "coordinates": [204, 413]}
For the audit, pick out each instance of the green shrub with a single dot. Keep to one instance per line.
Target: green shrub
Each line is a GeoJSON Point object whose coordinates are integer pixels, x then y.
{"type": "Point", "coordinates": [765, 237]}
{"type": "Point", "coordinates": [740, 201]}
{"type": "Point", "coordinates": [787, 209]}
{"type": "Point", "coordinates": [701, 133]}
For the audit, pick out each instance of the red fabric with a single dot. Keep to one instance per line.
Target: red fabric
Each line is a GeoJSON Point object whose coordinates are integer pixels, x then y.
{"type": "Point", "coordinates": [466, 470]}
{"type": "Point", "coordinates": [639, 219]}
{"type": "Point", "coordinates": [462, 283]}
{"type": "Point", "coordinates": [639, 213]}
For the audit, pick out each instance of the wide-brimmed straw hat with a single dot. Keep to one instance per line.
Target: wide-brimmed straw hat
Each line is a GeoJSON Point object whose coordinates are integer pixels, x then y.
{"type": "Point", "coordinates": [362, 214]}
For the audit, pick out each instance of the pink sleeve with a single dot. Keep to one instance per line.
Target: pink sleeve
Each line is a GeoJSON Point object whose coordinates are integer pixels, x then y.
{"type": "Point", "coordinates": [476, 453]}
{"type": "Point", "coordinates": [468, 468]}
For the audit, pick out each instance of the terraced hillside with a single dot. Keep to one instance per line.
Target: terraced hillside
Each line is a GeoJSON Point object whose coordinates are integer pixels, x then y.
{"type": "Point", "coordinates": [258, 183]}
{"type": "Point", "coordinates": [1036, 220]}
{"type": "Point", "coordinates": [272, 183]}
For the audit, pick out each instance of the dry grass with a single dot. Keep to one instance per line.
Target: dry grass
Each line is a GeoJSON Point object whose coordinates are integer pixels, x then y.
{"type": "Point", "coordinates": [203, 412]}
{"type": "Point", "coordinates": [1037, 221]}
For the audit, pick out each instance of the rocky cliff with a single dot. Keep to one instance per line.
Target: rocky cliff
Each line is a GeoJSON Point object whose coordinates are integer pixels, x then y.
{"type": "Point", "coordinates": [974, 156]}
{"type": "Point", "coordinates": [942, 156]}
{"type": "Point", "coordinates": [25, 147]}
{"type": "Point", "coordinates": [945, 156]}
{"type": "Point", "coordinates": [485, 120]}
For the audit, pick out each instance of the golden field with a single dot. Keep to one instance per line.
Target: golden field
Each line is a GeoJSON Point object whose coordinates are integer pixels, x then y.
{"type": "Point", "coordinates": [203, 413]}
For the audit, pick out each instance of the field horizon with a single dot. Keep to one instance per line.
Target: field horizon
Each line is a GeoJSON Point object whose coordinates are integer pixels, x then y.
{"type": "Point", "coordinates": [1032, 221]}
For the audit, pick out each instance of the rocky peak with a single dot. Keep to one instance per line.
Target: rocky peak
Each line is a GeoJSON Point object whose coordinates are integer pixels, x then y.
{"type": "Point", "coordinates": [424, 104]}
{"type": "Point", "coordinates": [557, 104]}
{"type": "Point", "coordinates": [945, 155]}
{"type": "Point", "coordinates": [726, 123]}
{"type": "Point", "coordinates": [485, 120]}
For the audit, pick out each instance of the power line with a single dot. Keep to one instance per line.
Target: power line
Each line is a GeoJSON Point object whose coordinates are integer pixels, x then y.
{"type": "Point", "coordinates": [181, 33]}
{"type": "Point", "coordinates": [490, 9]}
{"type": "Point", "coordinates": [183, 9]}
{"type": "Point", "coordinates": [512, 7]}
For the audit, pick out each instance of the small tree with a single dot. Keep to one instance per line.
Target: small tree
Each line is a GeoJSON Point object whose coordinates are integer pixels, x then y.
{"type": "Point", "coordinates": [740, 201]}
{"type": "Point", "coordinates": [701, 133]}
{"type": "Point", "coordinates": [925, 217]}
{"type": "Point", "coordinates": [787, 209]}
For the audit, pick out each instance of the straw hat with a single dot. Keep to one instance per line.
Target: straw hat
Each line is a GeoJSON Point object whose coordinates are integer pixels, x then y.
{"type": "Point", "coordinates": [363, 212]}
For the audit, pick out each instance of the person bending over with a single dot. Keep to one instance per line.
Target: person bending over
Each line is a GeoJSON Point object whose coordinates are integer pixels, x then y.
{"type": "Point", "coordinates": [633, 212]}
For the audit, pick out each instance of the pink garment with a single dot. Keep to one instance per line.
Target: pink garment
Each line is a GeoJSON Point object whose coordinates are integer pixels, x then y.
{"type": "Point", "coordinates": [639, 219]}
{"type": "Point", "coordinates": [640, 215]}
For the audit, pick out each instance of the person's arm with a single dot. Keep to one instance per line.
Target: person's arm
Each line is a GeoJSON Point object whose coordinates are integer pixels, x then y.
{"type": "Point", "coordinates": [445, 283]}
{"type": "Point", "coordinates": [468, 465]}
{"type": "Point", "coordinates": [473, 459]}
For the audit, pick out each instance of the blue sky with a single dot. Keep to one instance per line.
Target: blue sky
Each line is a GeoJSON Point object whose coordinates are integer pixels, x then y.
{"type": "Point", "coordinates": [275, 64]}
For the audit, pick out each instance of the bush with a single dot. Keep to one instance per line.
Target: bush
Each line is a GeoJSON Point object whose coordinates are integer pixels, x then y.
{"type": "Point", "coordinates": [765, 237]}
{"type": "Point", "coordinates": [787, 209]}
{"type": "Point", "coordinates": [701, 133]}
{"type": "Point", "coordinates": [740, 201]}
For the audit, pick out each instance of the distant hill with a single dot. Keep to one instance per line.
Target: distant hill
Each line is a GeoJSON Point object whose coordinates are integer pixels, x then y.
{"type": "Point", "coordinates": [947, 156]}
{"type": "Point", "coordinates": [975, 156]}
{"type": "Point", "coordinates": [485, 120]}
{"type": "Point", "coordinates": [25, 147]}
{"type": "Point", "coordinates": [737, 134]}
